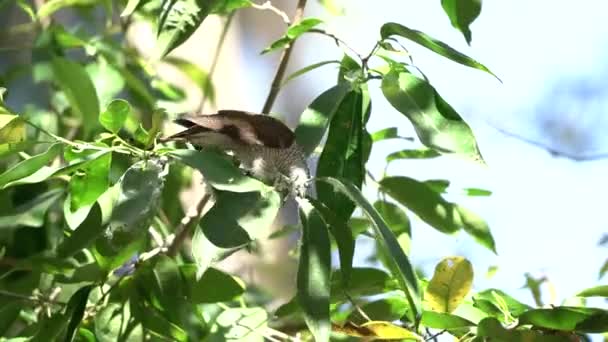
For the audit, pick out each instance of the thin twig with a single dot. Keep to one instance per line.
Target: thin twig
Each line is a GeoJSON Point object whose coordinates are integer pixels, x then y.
{"type": "Point", "coordinates": [278, 77]}
{"type": "Point", "coordinates": [33, 299]}
{"type": "Point", "coordinates": [337, 40]}
{"type": "Point", "coordinates": [214, 62]}
{"type": "Point", "coordinates": [434, 337]}
{"type": "Point", "coordinates": [269, 7]}
{"type": "Point", "coordinates": [186, 226]}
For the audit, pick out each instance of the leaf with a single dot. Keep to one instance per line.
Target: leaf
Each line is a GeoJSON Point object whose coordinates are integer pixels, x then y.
{"type": "Point", "coordinates": [343, 236]}
{"type": "Point", "coordinates": [395, 218]}
{"type": "Point", "coordinates": [134, 209]}
{"type": "Point", "coordinates": [153, 321]}
{"type": "Point", "coordinates": [52, 6]}
{"type": "Point", "coordinates": [437, 125]}
{"type": "Point", "coordinates": [477, 192]}
{"type": "Point", "coordinates": [597, 291]}
{"type": "Point", "coordinates": [399, 264]}
{"type": "Point", "coordinates": [393, 29]}
{"type": "Point", "coordinates": [130, 8]}
{"type": "Point", "coordinates": [313, 279]}
{"type": "Point", "coordinates": [178, 21]}
{"type": "Point", "coordinates": [199, 76]}
{"type": "Point", "coordinates": [462, 13]}
{"type": "Point", "coordinates": [498, 303]}
{"type": "Point", "coordinates": [342, 155]}
{"type": "Point", "coordinates": [490, 329]}
{"type": "Point", "coordinates": [12, 132]}
{"type": "Point", "coordinates": [92, 178]}
{"type": "Point", "coordinates": [387, 309]}
{"type": "Point", "coordinates": [603, 269]}
{"type": "Point", "coordinates": [107, 80]}
{"type": "Point", "coordinates": [31, 213]}
{"type": "Point", "coordinates": [28, 166]}
{"type": "Point", "coordinates": [242, 324]}
{"type": "Point", "coordinates": [579, 319]}
{"type": "Point", "coordinates": [364, 281]}
{"type": "Point", "coordinates": [213, 287]}
{"type": "Point", "coordinates": [218, 171]}
{"type": "Point", "coordinates": [451, 282]}
{"type": "Point", "coordinates": [109, 322]}
{"type": "Point", "coordinates": [115, 115]}
{"type": "Point", "coordinates": [442, 320]}
{"type": "Point", "coordinates": [389, 331]}
{"type": "Point", "coordinates": [315, 119]}
{"type": "Point", "coordinates": [237, 218]}
{"type": "Point", "coordinates": [74, 81]}
{"type": "Point", "coordinates": [75, 310]}
{"type": "Point", "coordinates": [412, 154]}
{"type": "Point", "coordinates": [306, 69]}
{"type": "Point", "coordinates": [433, 209]}
{"type": "Point", "coordinates": [293, 32]}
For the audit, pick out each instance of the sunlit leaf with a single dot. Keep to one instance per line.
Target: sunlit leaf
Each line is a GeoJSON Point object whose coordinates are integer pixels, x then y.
{"type": "Point", "coordinates": [412, 154]}
{"type": "Point", "coordinates": [499, 304]}
{"type": "Point", "coordinates": [313, 280]}
{"type": "Point", "coordinates": [462, 13]}
{"type": "Point", "coordinates": [293, 32]}
{"type": "Point", "coordinates": [12, 132]}
{"type": "Point", "coordinates": [115, 115]}
{"type": "Point", "coordinates": [399, 263]}
{"type": "Point", "coordinates": [315, 119]}
{"type": "Point", "coordinates": [444, 216]}
{"type": "Point", "coordinates": [580, 319]}
{"type": "Point", "coordinates": [52, 6]}
{"type": "Point", "coordinates": [451, 282]}
{"type": "Point", "coordinates": [79, 90]}
{"type": "Point", "coordinates": [441, 48]}
{"type": "Point", "coordinates": [442, 320]}
{"type": "Point", "coordinates": [28, 166]}
{"type": "Point", "coordinates": [436, 123]}
{"type": "Point", "coordinates": [378, 330]}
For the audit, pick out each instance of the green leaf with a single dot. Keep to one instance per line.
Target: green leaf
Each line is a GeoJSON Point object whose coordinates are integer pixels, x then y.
{"type": "Point", "coordinates": [395, 217]}
{"type": "Point", "coordinates": [178, 21]}
{"type": "Point", "coordinates": [498, 303]}
{"type": "Point", "coordinates": [31, 213]}
{"type": "Point", "coordinates": [293, 32]}
{"type": "Point", "coordinates": [140, 189]}
{"type": "Point", "coordinates": [199, 76]}
{"type": "Point", "coordinates": [343, 236]}
{"type": "Point", "coordinates": [306, 69]}
{"type": "Point", "coordinates": [218, 170]}
{"type": "Point", "coordinates": [491, 329]}
{"type": "Point", "coordinates": [386, 309]}
{"type": "Point", "coordinates": [237, 218]}
{"type": "Point", "coordinates": [313, 280]}
{"type": "Point", "coordinates": [462, 13]}
{"type": "Point", "coordinates": [412, 154]}
{"type": "Point", "coordinates": [153, 321]}
{"type": "Point", "coordinates": [364, 281]}
{"type": "Point", "coordinates": [315, 119]}
{"type": "Point", "coordinates": [564, 318]}
{"type": "Point", "coordinates": [75, 310]}
{"type": "Point", "coordinates": [442, 320]}
{"type": "Point", "coordinates": [477, 192]}
{"type": "Point", "coordinates": [52, 6]}
{"type": "Point", "coordinates": [597, 291]}
{"type": "Point", "coordinates": [107, 80]}
{"type": "Point", "coordinates": [130, 8]}
{"type": "Point", "coordinates": [437, 125]}
{"type": "Point", "coordinates": [28, 167]}
{"type": "Point", "coordinates": [451, 282]}
{"type": "Point", "coordinates": [109, 322]}
{"type": "Point", "coordinates": [399, 263]}
{"type": "Point", "coordinates": [213, 287]}
{"type": "Point", "coordinates": [441, 48]}
{"type": "Point", "coordinates": [444, 216]}
{"type": "Point", "coordinates": [242, 324]}
{"type": "Point", "coordinates": [387, 133]}
{"type": "Point", "coordinates": [342, 155]}
{"type": "Point", "coordinates": [92, 178]}
{"type": "Point", "coordinates": [12, 132]}
{"type": "Point", "coordinates": [115, 115]}
{"type": "Point", "coordinates": [73, 79]}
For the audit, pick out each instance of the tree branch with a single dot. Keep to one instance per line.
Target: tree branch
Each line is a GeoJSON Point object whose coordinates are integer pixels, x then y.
{"type": "Point", "coordinates": [186, 225]}
{"type": "Point", "coordinates": [278, 77]}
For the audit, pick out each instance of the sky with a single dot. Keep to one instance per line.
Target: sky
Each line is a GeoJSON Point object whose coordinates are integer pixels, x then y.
{"type": "Point", "coordinates": [546, 213]}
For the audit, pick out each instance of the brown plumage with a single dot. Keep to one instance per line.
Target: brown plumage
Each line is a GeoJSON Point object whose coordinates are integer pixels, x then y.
{"type": "Point", "coordinates": [265, 146]}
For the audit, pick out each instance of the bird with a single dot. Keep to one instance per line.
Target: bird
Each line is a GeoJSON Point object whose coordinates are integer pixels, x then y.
{"type": "Point", "coordinates": [264, 146]}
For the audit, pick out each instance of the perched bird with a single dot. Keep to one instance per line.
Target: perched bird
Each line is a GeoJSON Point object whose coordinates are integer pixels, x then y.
{"type": "Point", "coordinates": [265, 147]}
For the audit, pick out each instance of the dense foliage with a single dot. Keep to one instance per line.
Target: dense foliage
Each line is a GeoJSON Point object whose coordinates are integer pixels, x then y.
{"type": "Point", "coordinates": [92, 230]}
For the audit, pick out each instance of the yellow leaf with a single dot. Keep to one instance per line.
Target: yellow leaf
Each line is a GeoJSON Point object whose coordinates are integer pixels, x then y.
{"type": "Point", "coordinates": [450, 284]}
{"type": "Point", "coordinates": [379, 330]}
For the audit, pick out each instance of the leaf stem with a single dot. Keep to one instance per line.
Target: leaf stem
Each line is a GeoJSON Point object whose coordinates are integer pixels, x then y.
{"type": "Point", "coordinates": [187, 224]}
{"type": "Point", "coordinates": [278, 77]}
